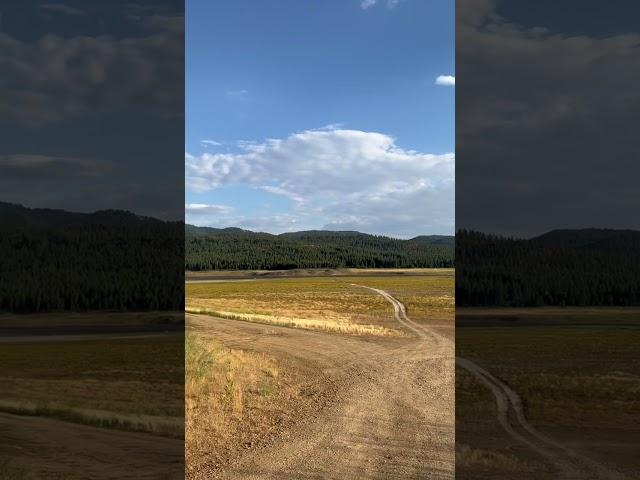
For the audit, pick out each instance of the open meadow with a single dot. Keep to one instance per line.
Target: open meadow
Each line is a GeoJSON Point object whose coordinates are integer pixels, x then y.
{"type": "Point", "coordinates": [286, 375]}
{"type": "Point", "coordinates": [75, 385]}
{"type": "Point", "coordinates": [329, 303]}
{"type": "Point", "coordinates": [127, 383]}
{"type": "Point", "coordinates": [552, 359]}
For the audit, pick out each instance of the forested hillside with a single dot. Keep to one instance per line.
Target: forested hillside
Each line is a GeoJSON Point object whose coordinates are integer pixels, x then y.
{"type": "Point", "coordinates": [232, 248]}
{"type": "Point", "coordinates": [564, 267]}
{"type": "Point", "coordinates": [111, 260]}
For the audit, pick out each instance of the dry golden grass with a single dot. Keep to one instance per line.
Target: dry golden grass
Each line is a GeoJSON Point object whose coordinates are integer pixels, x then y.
{"type": "Point", "coordinates": [161, 425]}
{"type": "Point", "coordinates": [12, 470]}
{"type": "Point", "coordinates": [339, 325]}
{"type": "Point", "coordinates": [482, 460]}
{"type": "Point", "coordinates": [328, 303]}
{"type": "Point", "coordinates": [553, 367]}
{"type": "Point", "coordinates": [232, 397]}
{"type": "Point", "coordinates": [309, 298]}
{"type": "Point", "coordinates": [429, 298]}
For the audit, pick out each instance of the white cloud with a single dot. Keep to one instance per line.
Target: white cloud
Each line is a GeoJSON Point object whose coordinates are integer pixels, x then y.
{"type": "Point", "coordinates": [237, 94]}
{"type": "Point", "coordinates": [446, 80]}
{"type": "Point", "coordinates": [206, 209]}
{"type": "Point", "coordinates": [547, 106]}
{"type": "Point", "coordinates": [57, 78]}
{"type": "Point", "coordinates": [365, 4]}
{"type": "Point", "coordinates": [210, 143]}
{"type": "Point", "coordinates": [284, 192]}
{"type": "Point", "coordinates": [340, 179]}
{"type": "Point", "coordinates": [208, 214]}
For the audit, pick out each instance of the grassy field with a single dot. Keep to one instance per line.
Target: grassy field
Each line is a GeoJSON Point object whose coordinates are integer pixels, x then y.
{"type": "Point", "coordinates": [428, 298]}
{"type": "Point", "coordinates": [132, 384]}
{"type": "Point", "coordinates": [328, 303]}
{"type": "Point", "coordinates": [309, 272]}
{"type": "Point", "coordinates": [577, 371]}
{"type": "Point", "coordinates": [233, 399]}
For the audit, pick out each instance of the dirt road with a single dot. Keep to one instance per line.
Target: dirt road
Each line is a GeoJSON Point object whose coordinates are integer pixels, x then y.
{"type": "Point", "coordinates": [510, 414]}
{"type": "Point", "coordinates": [385, 406]}
{"type": "Point", "coordinates": [56, 449]}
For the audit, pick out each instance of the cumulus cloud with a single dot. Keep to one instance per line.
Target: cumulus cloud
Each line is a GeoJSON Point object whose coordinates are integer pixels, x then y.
{"type": "Point", "coordinates": [57, 78]}
{"type": "Point", "coordinates": [446, 80]}
{"type": "Point", "coordinates": [339, 178]}
{"type": "Point", "coordinates": [543, 125]}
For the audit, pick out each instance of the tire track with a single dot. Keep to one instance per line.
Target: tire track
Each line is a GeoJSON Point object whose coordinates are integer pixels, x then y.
{"type": "Point", "coordinates": [400, 314]}
{"type": "Point", "coordinates": [510, 407]}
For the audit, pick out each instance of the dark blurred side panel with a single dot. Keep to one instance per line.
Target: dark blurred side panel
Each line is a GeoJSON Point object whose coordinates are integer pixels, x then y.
{"type": "Point", "coordinates": [548, 241]}
{"type": "Point", "coordinates": [91, 239]}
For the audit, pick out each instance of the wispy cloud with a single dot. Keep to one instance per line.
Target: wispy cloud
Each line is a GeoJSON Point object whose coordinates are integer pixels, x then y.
{"type": "Point", "coordinates": [206, 209]}
{"type": "Point", "coordinates": [284, 192]}
{"type": "Point", "coordinates": [237, 94]}
{"type": "Point", "coordinates": [62, 9]}
{"type": "Point", "coordinates": [446, 80]}
{"type": "Point", "coordinates": [209, 214]}
{"type": "Point", "coordinates": [340, 178]}
{"type": "Point", "coordinates": [210, 143]}
{"type": "Point", "coordinates": [365, 4]}
{"type": "Point", "coordinates": [46, 166]}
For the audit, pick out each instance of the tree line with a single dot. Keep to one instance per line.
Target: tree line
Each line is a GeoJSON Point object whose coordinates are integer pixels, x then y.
{"type": "Point", "coordinates": [581, 267]}
{"type": "Point", "coordinates": [233, 249]}
{"type": "Point", "coordinates": [108, 262]}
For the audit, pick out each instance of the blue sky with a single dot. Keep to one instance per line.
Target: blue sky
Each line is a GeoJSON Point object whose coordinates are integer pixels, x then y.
{"type": "Point", "coordinates": [306, 114]}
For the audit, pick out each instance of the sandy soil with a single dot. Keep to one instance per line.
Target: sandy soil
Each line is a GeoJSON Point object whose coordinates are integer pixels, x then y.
{"type": "Point", "coordinates": [379, 408]}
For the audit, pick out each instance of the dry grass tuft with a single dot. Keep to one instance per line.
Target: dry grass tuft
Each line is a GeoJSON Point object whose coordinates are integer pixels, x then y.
{"type": "Point", "coordinates": [159, 425]}
{"type": "Point", "coordinates": [232, 397]}
{"type": "Point", "coordinates": [476, 459]}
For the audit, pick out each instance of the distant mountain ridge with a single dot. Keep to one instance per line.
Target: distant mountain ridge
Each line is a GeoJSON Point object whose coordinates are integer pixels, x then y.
{"type": "Point", "coordinates": [210, 248]}
{"type": "Point", "coordinates": [14, 215]}
{"type": "Point", "coordinates": [198, 230]}
{"type": "Point", "coordinates": [592, 238]}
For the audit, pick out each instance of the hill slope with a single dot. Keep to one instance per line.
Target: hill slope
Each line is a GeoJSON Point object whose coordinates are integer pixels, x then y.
{"type": "Point", "coordinates": [589, 267]}
{"type": "Point", "coordinates": [58, 260]}
{"type": "Point", "coordinates": [231, 249]}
